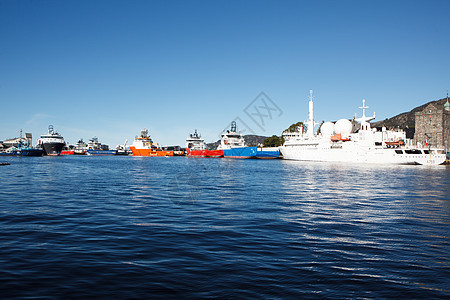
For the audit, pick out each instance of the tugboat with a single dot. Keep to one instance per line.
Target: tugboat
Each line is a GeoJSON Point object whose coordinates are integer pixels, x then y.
{"type": "Point", "coordinates": [80, 148]}
{"type": "Point", "coordinates": [94, 147]}
{"type": "Point", "coordinates": [196, 146]}
{"type": "Point", "coordinates": [20, 147]}
{"type": "Point", "coordinates": [177, 150]}
{"type": "Point", "coordinates": [233, 145]}
{"type": "Point", "coordinates": [52, 143]}
{"type": "Point", "coordinates": [144, 146]}
{"type": "Point", "coordinates": [24, 149]}
{"type": "Point", "coordinates": [123, 149]}
{"type": "Point", "coordinates": [68, 150]}
{"type": "Point", "coordinates": [338, 142]}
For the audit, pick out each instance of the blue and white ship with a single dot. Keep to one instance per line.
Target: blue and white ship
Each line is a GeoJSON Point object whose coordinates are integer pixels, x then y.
{"type": "Point", "coordinates": [20, 146]}
{"type": "Point", "coordinates": [94, 147]}
{"type": "Point", "coordinates": [233, 145]}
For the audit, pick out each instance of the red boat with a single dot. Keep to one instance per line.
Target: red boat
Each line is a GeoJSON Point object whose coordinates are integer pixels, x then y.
{"type": "Point", "coordinates": [67, 152]}
{"type": "Point", "coordinates": [195, 146]}
{"type": "Point", "coordinates": [205, 153]}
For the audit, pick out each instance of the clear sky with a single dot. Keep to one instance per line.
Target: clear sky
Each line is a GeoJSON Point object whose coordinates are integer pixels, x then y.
{"type": "Point", "coordinates": [111, 68]}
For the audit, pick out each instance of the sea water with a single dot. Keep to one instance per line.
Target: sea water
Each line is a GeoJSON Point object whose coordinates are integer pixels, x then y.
{"type": "Point", "coordinates": [141, 227]}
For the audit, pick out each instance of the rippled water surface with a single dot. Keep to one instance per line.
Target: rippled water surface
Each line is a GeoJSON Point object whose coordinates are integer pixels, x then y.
{"type": "Point", "coordinates": [128, 227]}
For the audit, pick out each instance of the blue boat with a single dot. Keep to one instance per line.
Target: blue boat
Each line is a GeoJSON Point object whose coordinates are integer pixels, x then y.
{"type": "Point", "coordinates": [240, 152]}
{"type": "Point", "coordinates": [94, 147]}
{"type": "Point", "coordinates": [28, 151]}
{"type": "Point", "coordinates": [100, 152]}
{"type": "Point", "coordinates": [252, 152]}
{"type": "Point", "coordinates": [268, 153]}
{"type": "Point", "coordinates": [23, 151]}
{"type": "Point", "coordinates": [20, 147]}
{"type": "Point", "coordinates": [233, 145]}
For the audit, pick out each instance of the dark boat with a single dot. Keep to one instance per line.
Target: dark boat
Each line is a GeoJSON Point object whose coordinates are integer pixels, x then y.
{"type": "Point", "coordinates": [22, 148]}
{"type": "Point", "coordinates": [30, 152]}
{"type": "Point", "coordinates": [52, 143]}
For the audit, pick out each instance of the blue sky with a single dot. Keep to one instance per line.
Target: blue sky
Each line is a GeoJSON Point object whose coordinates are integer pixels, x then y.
{"type": "Point", "coordinates": [111, 68]}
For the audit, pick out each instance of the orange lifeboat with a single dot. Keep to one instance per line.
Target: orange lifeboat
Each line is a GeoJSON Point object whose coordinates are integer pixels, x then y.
{"type": "Point", "coordinates": [395, 144]}
{"type": "Point", "coordinates": [338, 137]}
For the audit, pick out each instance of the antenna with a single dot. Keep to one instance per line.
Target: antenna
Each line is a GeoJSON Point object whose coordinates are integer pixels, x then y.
{"type": "Point", "coordinates": [233, 126]}
{"type": "Point", "coordinates": [310, 130]}
{"type": "Point", "coordinates": [364, 108]}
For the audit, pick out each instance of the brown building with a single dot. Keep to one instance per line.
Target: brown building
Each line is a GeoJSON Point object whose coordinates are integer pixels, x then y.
{"type": "Point", "coordinates": [433, 126]}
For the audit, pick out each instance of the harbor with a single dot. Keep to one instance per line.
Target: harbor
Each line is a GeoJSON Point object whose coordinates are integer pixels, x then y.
{"type": "Point", "coordinates": [224, 149]}
{"type": "Point", "coordinates": [346, 140]}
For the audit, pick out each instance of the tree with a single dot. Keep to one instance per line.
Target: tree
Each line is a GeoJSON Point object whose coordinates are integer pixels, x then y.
{"type": "Point", "coordinates": [273, 141]}
{"type": "Point", "coordinates": [295, 127]}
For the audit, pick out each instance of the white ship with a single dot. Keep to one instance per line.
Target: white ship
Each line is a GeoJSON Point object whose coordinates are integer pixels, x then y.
{"type": "Point", "coordinates": [338, 142]}
{"type": "Point", "coordinates": [231, 138]}
{"type": "Point", "coordinates": [195, 142]}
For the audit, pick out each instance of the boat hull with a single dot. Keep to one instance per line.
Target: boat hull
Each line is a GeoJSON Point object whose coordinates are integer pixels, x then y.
{"type": "Point", "coordinates": [6, 153]}
{"type": "Point", "coordinates": [101, 152]}
{"type": "Point", "coordinates": [31, 152]}
{"type": "Point", "coordinates": [124, 152]}
{"type": "Point", "coordinates": [363, 155]}
{"type": "Point", "coordinates": [252, 152]}
{"type": "Point", "coordinates": [150, 152]}
{"type": "Point", "coordinates": [79, 152]}
{"type": "Point", "coordinates": [24, 152]}
{"type": "Point", "coordinates": [53, 149]}
{"type": "Point", "coordinates": [268, 153]}
{"type": "Point", "coordinates": [205, 153]}
{"type": "Point", "coordinates": [67, 152]}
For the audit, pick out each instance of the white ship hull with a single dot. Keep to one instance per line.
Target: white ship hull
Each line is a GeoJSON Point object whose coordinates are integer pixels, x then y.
{"type": "Point", "coordinates": [354, 154]}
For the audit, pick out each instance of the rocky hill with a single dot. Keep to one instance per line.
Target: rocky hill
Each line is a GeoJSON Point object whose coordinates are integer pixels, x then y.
{"type": "Point", "coordinates": [407, 119]}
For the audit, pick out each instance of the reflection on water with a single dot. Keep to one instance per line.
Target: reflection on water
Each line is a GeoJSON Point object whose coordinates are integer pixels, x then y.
{"type": "Point", "coordinates": [133, 227]}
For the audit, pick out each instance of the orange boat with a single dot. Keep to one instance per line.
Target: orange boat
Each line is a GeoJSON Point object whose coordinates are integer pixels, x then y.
{"type": "Point", "coordinates": [395, 144]}
{"type": "Point", "coordinates": [144, 146]}
{"type": "Point", "coordinates": [338, 137]}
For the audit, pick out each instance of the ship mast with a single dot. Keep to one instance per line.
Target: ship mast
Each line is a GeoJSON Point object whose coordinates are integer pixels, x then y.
{"type": "Point", "coordinates": [365, 125]}
{"type": "Point", "coordinates": [310, 130]}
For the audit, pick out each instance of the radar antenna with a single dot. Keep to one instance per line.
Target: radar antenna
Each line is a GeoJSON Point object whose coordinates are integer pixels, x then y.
{"type": "Point", "coordinates": [233, 126]}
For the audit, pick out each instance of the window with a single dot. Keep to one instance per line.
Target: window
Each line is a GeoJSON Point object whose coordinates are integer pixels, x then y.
{"type": "Point", "coordinates": [413, 151]}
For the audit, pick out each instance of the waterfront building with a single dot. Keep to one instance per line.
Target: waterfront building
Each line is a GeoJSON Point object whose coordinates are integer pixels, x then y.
{"type": "Point", "coordinates": [432, 126]}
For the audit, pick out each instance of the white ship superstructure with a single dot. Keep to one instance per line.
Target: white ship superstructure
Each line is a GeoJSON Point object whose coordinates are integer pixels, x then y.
{"type": "Point", "coordinates": [338, 142]}
{"type": "Point", "coordinates": [195, 142]}
{"type": "Point", "coordinates": [231, 138]}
